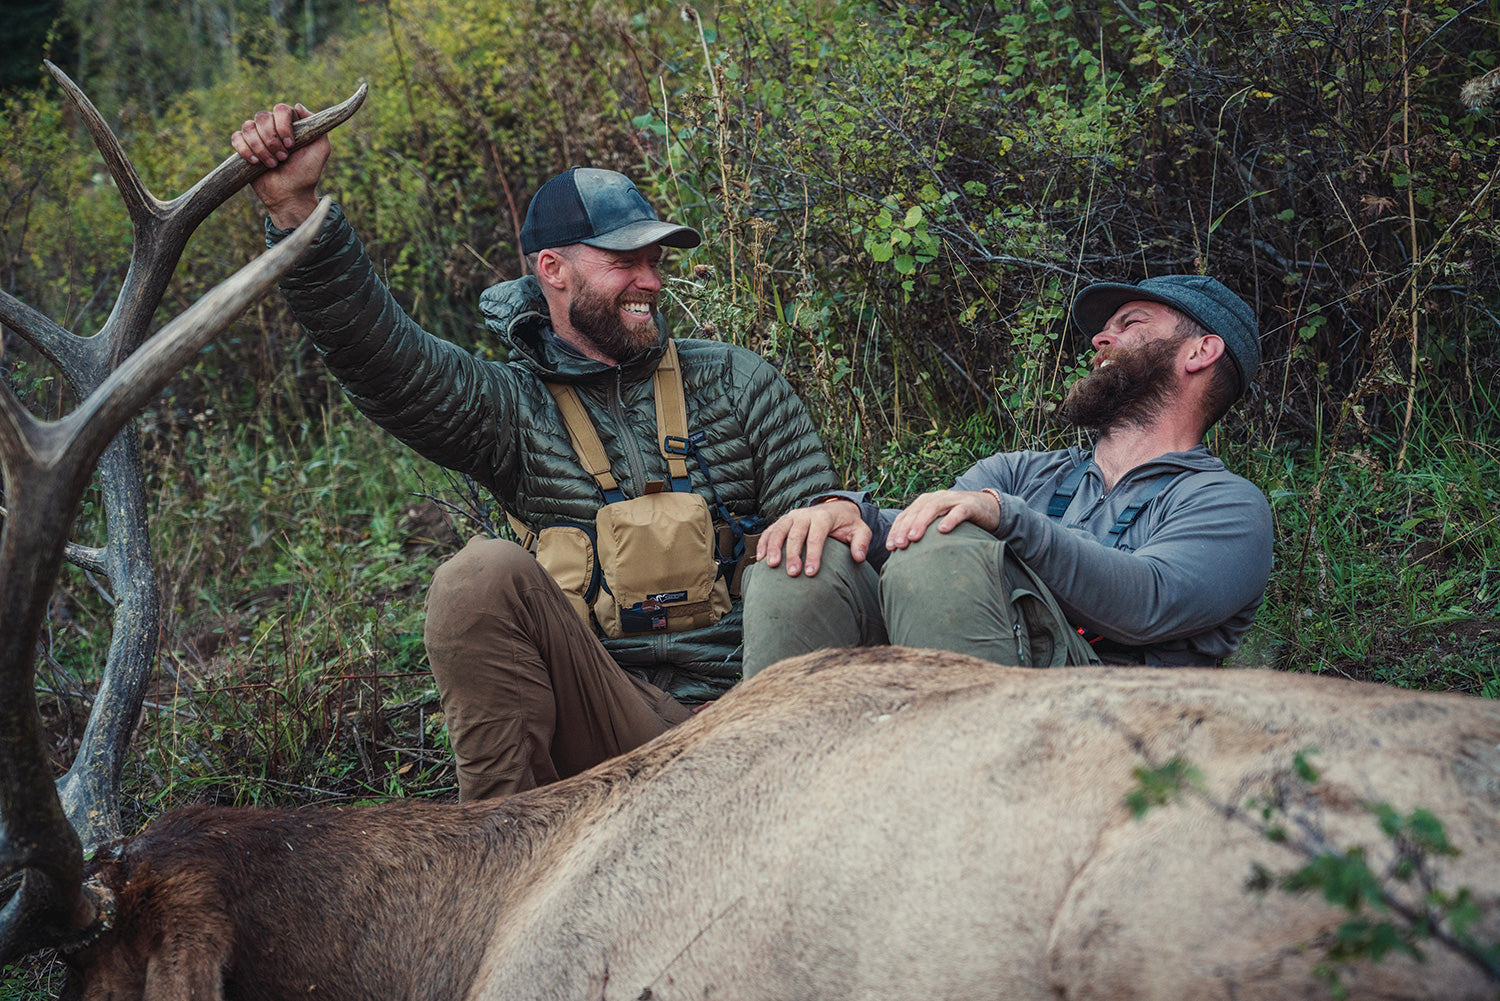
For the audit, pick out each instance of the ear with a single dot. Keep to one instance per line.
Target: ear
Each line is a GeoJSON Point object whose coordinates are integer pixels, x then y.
{"type": "Point", "coordinates": [1207, 350]}
{"type": "Point", "coordinates": [551, 270]}
{"type": "Point", "coordinates": [189, 965]}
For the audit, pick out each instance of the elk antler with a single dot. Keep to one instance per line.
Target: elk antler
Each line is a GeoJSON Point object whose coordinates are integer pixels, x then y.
{"type": "Point", "coordinates": [90, 790]}
{"type": "Point", "coordinates": [46, 468]}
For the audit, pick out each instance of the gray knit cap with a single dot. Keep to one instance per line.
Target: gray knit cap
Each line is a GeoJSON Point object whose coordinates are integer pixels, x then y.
{"type": "Point", "coordinates": [1206, 301]}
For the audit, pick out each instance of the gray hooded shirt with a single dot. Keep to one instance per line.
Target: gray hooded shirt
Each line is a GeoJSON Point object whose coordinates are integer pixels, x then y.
{"type": "Point", "coordinates": [1184, 581]}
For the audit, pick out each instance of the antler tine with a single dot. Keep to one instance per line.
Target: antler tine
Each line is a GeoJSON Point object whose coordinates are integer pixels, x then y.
{"type": "Point", "coordinates": [235, 172]}
{"type": "Point", "coordinates": [192, 207]}
{"type": "Point", "coordinates": [162, 229]}
{"type": "Point", "coordinates": [59, 346]}
{"type": "Point", "coordinates": [53, 462]}
{"type": "Point", "coordinates": [138, 200]}
{"type": "Point", "coordinates": [129, 387]}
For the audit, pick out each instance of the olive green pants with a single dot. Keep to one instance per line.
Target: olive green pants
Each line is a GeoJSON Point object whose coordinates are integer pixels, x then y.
{"type": "Point", "coordinates": [529, 693]}
{"type": "Point", "coordinates": [944, 592]}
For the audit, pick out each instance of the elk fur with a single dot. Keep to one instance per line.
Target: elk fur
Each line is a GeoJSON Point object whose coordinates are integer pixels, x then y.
{"type": "Point", "coordinates": [881, 823]}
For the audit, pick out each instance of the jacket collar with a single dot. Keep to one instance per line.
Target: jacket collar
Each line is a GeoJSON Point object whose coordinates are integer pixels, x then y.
{"type": "Point", "coordinates": [516, 313]}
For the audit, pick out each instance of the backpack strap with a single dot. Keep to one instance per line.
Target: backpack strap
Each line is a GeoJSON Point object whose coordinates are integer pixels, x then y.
{"type": "Point", "coordinates": [671, 417]}
{"type": "Point", "coordinates": [1058, 506]}
{"type": "Point", "coordinates": [585, 439]}
{"type": "Point", "coordinates": [1133, 511]}
{"type": "Point", "coordinates": [671, 426]}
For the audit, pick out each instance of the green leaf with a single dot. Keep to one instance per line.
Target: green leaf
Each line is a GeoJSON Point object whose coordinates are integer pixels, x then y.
{"type": "Point", "coordinates": [1305, 771]}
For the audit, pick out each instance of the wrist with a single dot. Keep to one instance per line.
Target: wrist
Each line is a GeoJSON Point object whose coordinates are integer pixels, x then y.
{"type": "Point", "coordinates": [999, 504]}
{"type": "Point", "coordinates": [292, 212]}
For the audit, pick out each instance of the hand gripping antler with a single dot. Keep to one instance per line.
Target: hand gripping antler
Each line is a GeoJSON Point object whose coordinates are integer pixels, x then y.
{"type": "Point", "coordinates": [47, 467]}
{"type": "Point", "coordinates": [90, 790]}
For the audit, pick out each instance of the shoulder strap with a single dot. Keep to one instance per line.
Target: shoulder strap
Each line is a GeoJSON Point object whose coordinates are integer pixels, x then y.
{"type": "Point", "coordinates": [1133, 511]}
{"type": "Point", "coordinates": [586, 443]}
{"type": "Point", "coordinates": [671, 426]}
{"type": "Point", "coordinates": [671, 416]}
{"type": "Point", "coordinates": [1058, 506]}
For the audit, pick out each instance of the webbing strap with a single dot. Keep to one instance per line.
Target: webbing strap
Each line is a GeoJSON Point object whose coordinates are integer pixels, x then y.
{"type": "Point", "coordinates": [1058, 506]}
{"type": "Point", "coordinates": [586, 443]}
{"type": "Point", "coordinates": [671, 426]}
{"type": "Point", "coordinates": [525, 536]}
{"type": "Point", "coordinates": [1133, 511]}
{"type": "Point", "coordinates": [671, 413]}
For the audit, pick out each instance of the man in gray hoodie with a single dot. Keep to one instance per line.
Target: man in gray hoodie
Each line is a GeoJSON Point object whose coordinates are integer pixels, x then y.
{"type": "Point", "coordinates": [1154, 552]}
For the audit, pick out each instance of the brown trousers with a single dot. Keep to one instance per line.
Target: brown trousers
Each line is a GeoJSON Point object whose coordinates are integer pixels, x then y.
{"type": "Point", "coordinates": [529, 693]}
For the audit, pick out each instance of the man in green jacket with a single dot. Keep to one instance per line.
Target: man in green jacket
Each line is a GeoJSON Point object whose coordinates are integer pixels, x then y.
{"type": "Point", "coordinates": [530, 692]}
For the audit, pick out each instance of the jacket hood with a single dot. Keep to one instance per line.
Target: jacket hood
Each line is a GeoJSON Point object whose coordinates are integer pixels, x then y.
{"type": "Point", "coordinates": [516, 313]}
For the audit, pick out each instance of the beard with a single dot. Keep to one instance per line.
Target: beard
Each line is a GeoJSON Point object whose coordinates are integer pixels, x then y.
{"type": "Point", "coordinates": [1131, 391]}
{"type": "Point", "coordinates": [597, 317]}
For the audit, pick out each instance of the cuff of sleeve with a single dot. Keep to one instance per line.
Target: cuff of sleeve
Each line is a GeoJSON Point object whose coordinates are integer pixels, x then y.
{"type": "Point", "coordinates": [861, 498]}
{"type": "Point", "coordinates": [275, 234]}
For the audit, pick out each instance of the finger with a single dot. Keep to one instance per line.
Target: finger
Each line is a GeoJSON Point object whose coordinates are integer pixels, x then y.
{"type": "Point", "coordinates": [957, 515]}
{"type": "Point", "coordinates": [237, 140]}
{"type": "Point", "coordinates": [859, 545]}
{"type": "Point", "coordinates": [772, 540]}
{"type": "Point", "coordinates": [912, 523]}
{"type": "Point", "coordinates": [270, 133]}
{"type": "Point", "coordinates": [255, 134]}
{"type": "Point", "coordinates": [282, 116]}
{"type": "Point", "coordinates": [796, 541]}
{"type": "Point", "coordinates": [817, 534]}
{"type": "Point", "coordinates": [895, 538]}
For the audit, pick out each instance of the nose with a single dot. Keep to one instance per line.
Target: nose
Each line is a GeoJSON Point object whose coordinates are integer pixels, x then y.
{"type": "Point", "coordinates": [648, 277]}
{"type": "Point", "coordinates": [1102, 338]}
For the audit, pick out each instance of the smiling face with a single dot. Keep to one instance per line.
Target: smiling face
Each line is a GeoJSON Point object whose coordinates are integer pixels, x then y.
{"type": "Point", "coordinates": [609, 299]}
{"type": "Point", "coordinates": [1132, 325]}
{"type": "Point", "coordinates": [1137, 358]}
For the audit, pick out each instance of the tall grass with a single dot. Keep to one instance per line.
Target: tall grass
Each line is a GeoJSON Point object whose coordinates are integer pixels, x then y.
{"type": "Point", "coordinates": [293, 561]}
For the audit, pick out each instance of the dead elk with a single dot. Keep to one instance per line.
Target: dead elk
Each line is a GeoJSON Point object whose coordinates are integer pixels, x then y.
{"type": "Point", "coordinates": [883, 823]}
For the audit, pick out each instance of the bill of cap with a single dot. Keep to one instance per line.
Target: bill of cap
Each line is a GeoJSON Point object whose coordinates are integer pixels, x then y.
{"type": "Point", "coordinates": [1096, 304]}
{"type": "Point", "coordinates": [643, 233]}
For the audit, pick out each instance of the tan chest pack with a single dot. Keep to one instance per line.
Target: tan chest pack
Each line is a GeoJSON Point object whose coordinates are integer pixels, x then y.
{"type": "Point", "coordinates": [649, 564]}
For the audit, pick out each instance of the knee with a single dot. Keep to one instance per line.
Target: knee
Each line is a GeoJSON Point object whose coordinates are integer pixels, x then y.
{"type": "Point", "coordinates": [480, 572]}
{"type": "Point", "coordinates": [470, 593]}
{"type": "Point", "coordinates": [771, 587]}
{"type": "Point", "coordinates": [940, 569]}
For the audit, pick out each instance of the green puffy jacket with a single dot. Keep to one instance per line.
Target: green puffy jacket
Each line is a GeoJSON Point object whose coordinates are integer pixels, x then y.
{"type": "Point", "coordinates": [497, 422]}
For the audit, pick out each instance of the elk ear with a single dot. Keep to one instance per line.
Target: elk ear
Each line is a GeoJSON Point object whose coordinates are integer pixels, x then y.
{"type": "Point", "coordinates": [189, 964]}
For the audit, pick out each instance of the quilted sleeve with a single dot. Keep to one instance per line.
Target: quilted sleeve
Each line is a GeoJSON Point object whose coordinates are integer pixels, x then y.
{"type": "Point", "coordinates": [451, 407]}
